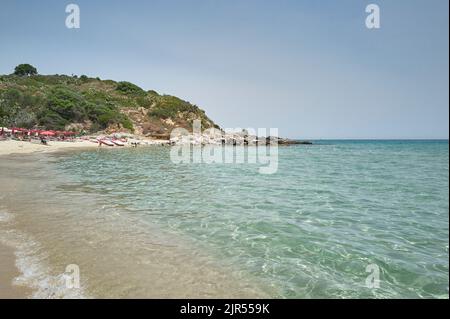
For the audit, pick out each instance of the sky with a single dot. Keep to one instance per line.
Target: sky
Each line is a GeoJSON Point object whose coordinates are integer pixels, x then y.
{"type": "Point", "coordinates": [311, 68]}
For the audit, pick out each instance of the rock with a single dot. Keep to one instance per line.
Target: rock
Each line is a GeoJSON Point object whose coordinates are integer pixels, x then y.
{"type": "Point", "coordinates": [286, 141]}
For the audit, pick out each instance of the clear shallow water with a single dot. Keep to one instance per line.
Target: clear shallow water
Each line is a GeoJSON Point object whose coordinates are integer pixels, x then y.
{"type": "Point", "coordinates": [308, 231]}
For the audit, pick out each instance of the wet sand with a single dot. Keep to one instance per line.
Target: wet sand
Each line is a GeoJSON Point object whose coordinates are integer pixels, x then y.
{"type": "Point", "coordinates": [8, 272]}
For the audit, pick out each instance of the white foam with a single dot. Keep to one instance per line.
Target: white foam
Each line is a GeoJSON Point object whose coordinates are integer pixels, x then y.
{"type": "Point", "coordinates": [30, 261]}
{"type": "Point", "coordinates": [5, 216]}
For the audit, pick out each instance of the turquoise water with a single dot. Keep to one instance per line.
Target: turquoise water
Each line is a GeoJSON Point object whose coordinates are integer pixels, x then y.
{"type": "Point", "coordinates": [307, 231]}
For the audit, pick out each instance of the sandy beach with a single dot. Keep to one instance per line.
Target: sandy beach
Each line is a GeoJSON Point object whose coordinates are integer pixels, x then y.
{"type": "Point", "coordinates": [9, 147]}
{"type": "Point", "coordinates": [24, 147]}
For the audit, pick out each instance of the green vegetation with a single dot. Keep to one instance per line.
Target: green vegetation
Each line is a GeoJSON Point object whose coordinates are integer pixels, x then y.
{"type": "Point", "coordinates": [25, 69]}
{"type": "Point", "coordinates": [56, 108]}
{"type": "Point", "coordinates": [170, 106]}
{"type": "Point", "coordinates": [129, 88]}
{"type": "Point", "coordinates": [60, 102]}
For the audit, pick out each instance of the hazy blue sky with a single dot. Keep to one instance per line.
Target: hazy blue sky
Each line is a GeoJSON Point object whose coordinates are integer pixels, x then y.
{"type": "Point", "coordinates": [310, 68]}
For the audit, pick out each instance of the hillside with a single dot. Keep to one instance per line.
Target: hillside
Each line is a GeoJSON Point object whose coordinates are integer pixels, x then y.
{"type": "Point", "coordinates": [61, 102]}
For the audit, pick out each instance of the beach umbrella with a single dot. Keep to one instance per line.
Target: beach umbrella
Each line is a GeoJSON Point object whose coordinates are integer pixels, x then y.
{"type": "Point", "coordinates": [48, 133]}
{"type": "Point", "coordinates": [16, 129]}
{"type": "Point", "coordinates": [35, 132]}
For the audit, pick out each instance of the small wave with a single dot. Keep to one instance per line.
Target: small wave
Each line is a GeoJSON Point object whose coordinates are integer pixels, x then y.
{"type": "Point", "coordinates": [5, 217]}
{"type": "Point", "coordinates": [30, 261]}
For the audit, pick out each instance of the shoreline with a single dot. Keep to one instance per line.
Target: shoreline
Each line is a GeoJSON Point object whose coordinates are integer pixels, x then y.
{"type": "Point", "coordinates": [34, 262]}
{"type": "Point", "coordinates": [13, 147]}
{"type": "Point", "coordinates": [8, 272]}
{"type": "Point", "coordinates": [8, 267]}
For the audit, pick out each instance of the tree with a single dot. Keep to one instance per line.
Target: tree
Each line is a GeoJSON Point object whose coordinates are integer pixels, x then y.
{"type": "Point", "coordinates": [25, 69]}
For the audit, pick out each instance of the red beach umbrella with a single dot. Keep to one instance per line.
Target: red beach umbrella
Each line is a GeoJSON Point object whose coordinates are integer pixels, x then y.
{"type": "Point", "coordinates": [48, 133]}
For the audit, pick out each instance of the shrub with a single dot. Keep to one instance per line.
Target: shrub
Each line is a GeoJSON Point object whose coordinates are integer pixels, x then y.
{"type": "Point", "coordinates": [68, 104]}
{"type": "Point", "coordinates": [143, 101]}
{"type": "Point", "coordinates": [169, 106]}
{"type": "Point", "coordinates": [129, 88]}
{"type": "Point", "coordinates": [126, 123]}
{"type": "Point", "coordinates": [52, 120]}
{"type": "Point", "coordinates": [107, 118]}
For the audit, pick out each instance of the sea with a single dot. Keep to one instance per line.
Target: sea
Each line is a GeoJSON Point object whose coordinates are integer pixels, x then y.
{"type": "Point", "coordinates": [337, 219]}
